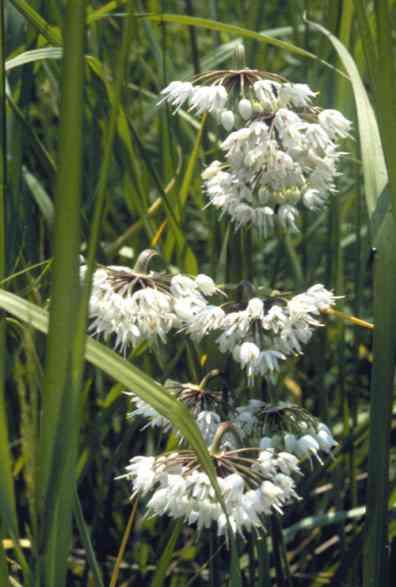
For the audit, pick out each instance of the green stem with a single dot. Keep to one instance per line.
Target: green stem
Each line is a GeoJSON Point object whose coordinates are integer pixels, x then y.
{"type": "Point", "coordinates": [280, 553]}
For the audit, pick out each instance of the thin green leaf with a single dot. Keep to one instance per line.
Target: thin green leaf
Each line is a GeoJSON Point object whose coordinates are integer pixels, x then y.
{"type": "Point", "coordinates": [103, 11]}
{"type": "Point", "coordinates": [166, 556]}
{"type": "Point", "coordinates": [40, 196]}
{"type": "Point", "coordinates": [33, 56]}
{"type": "Point", "coordinates": [374, 168]}
{"type": "Point", "coordinates": [52, 34]}
{"type": "Point", "coordinates": [7, 494]}
{"type": "Point", "coordinates": [59, 429]}
{"type": "Point", "coordinates": [236, 30]}
{"type": "Point", "coordinates": [186, 185]}
{"type": "Point", "coordinates": [86, 541]}
{"type": "Point", "coordinates": [3, 560]}
{"type": "Point", "coordinates": [381, 395]}
{"type": "Point", "coordinates": [385, 91]}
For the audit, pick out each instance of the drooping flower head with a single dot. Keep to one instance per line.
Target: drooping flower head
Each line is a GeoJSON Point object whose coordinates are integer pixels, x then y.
{"type": "Point", "coordinates": [204, 403]}
{"type": "Point", "coordinates": [136, 304]}
{"type": "Point", "coordinates": [260, 333]}
{"type": "Point", "coordinates": [284, 427]}
{"type": "Point", "coordinates": [283, 150]}
{"type": "Point", "coordinates": [253, 484]}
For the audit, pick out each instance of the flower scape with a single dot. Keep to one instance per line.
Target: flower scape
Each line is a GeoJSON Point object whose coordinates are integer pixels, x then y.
{"type": "Point", "coordinates": [280, 154]}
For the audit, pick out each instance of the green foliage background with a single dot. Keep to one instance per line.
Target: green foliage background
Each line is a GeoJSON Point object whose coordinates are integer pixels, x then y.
{"type": "Point", "coordinates": [89, 163]}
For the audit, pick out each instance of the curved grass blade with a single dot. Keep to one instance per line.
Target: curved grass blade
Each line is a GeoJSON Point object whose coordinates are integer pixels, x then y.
{"type": "Point", "coordinates": [33, 56]}
{"type": "Point", "coordinates": [236, 30]}
{"type": "Point", "coordinates": [374, 168]}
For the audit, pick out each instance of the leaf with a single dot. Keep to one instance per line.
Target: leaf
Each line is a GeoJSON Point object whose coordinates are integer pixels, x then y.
{"type": "Point", "coordinates": [33, 56]}
{"type": "Point", "coordinates": [52, 34]}
{"type": "Point", "coordinates": [40, 196]}
{"type": "Point", "coordinates": [374, 168]}
{"type": "Point", "coordinates": [234, 30]}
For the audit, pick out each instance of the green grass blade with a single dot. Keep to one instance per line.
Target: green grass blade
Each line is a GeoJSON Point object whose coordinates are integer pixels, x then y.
{"type": "Point", "coordinates": [166, 557]}
{"type": "Point", "coordinates": [52, 34]}
{"type": "Point", "coordinates": [104, 11]}
{"type": "Point", "coordinates": [382, 390]}
{"type": "Point", "coordinates": [369, 48]}
{"type": "Point", "coordinates": [382, 382]}
{"type": "Point", "coordinates": [59, 429]}
{"type": "Point", "coordinates": [374, 169]}
{"type": "Point", "coordinates": [385, 91]}
{"type": "Point", "coordinates": [100, 199]}
{"type": "Point", "coordinates": [86, 541]}
{"type": "Point", "coordinates": [374, 154]}
{"type": "Point", "coordinates": [7, 495]}
{"type": "Point", "coordinates": [234, 30]}
{"type": "Point", "coordinates": [40, 196]}
{"type": "Point", "coordinates": [33, 56]}
{"type": "Point", "coordinates": [3, 560]}
{"type": "Point", "coordinates": [186, 186]}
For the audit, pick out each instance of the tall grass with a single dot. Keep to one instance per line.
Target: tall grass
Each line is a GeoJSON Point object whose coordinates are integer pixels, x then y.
{"type": "Point", "coordinates": [90, 165]}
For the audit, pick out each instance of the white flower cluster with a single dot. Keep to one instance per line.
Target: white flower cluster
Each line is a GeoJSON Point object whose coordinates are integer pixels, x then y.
{"type": "Point", "coordinates": [283, 153]}
{"type": "Point", "coordinates": [135, 307]}
{"type": "Point", "coordinates": [181, 490]}
{"type": "Point", "coordinates": [273, 164]}
{"type": "Point", "coordinates": [207, 420]}
{"type": "Point", "coordinates": [259, 338]}
{"type": "Point", "coordinates": [305, 439]}
{"type": "Point", "coordinates": [144, 410]}
{"type": "Point", "coordinates": [201, 99]}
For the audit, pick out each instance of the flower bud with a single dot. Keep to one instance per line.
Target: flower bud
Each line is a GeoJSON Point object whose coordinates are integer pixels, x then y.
{"type": "Point", "coordinates": [245, 108]}
{"type": "Point", "coordinates": [227, 119]}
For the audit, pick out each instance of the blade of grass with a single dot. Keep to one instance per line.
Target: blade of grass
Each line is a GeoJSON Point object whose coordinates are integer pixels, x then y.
{"type": "Point", "coordinates": [382, 389]}
{"type": "Point", "coordinates": [3, 560]}
{"type": "Point", "coordinates": [384, 290]}
{"type": "Point", "coordinates": [374, 169]}
{"type": "Point", "coordinates": [86, 541]}
{"type": "Point", "coordinates": [166, 557]}
{"type": "Point", "coordinates": [33, 56]}
{"type": "Point", "coordinates": [116, 571]}
{"type": "Point", "coordinates": [40, 196]}
{"type": "Point", "coordinates": [236, 30]}
{"type": "Point", "coordinates": [185, 186]}
{"type": "Point", "coordinates": [385, 91]}
{"type": "Point", "coordinates": [7, 493]}
{"type": "Point", "coordinates": [104, 11]}
{"type": "Point", "coordinates": [369, 48]}
{"type": "Point", "coordinates": [59, 427]}
{"type": "Point", "coordinates": [100, 198]}
{"type": "Point", "coordinates": [52, 34]}
{"type": "Point", "coordinates": [382, 383]}
{"type": "Point", "coordinates": [187, 259]}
